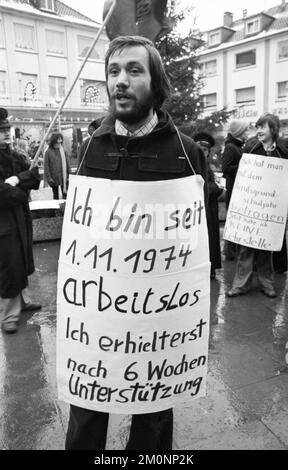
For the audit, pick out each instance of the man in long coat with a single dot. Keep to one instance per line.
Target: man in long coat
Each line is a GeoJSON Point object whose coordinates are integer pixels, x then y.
{"type": "Point", "coordinates": [16, 256]}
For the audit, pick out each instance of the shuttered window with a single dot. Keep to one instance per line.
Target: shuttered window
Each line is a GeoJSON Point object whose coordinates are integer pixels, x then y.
{"type": "Point", "coordinates": [245, 95]}
{"type": "Point", "coordinates": [246, 59]}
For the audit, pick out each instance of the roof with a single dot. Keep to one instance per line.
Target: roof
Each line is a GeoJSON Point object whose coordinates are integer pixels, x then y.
{"type": "Point", "coordinates": [62, 11]}
{"type": "Point", "coordinates": [279, 17]}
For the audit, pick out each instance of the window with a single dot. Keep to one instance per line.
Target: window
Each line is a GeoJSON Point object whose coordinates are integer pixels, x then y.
{"type": "Point", "coordinates": [3, 88]}
{"type": "Point", "coordinates": [1, 35]}
{"type": "Point", "coordinates": [210, 100]}
{"type": "Point", "coordinates": [246, 59]}
{"type": "Point", "coordinates": [56, 88]}
{"type": "Point", "coordinates": [54, 42]}
{"type": "Point", "coordinates": [24, 37]}
{"type": "Point", "coordinates": [282, 90]}
{"type": "Point", "coordinates": [84, 44]}
{"type": "Point", "coordinates": [93, 93]}
{"type": "Point", "coordinates": [245, 95]}
{"type": "Point", "coordinates": [28, 87]}
{"type": "Point", "coordinates": [209, 67]}
{"type": "Point", "coordinates": [252, 26]}
{"type": "Point", "coordinates": [48, 5]}
{"type": "Point", "coordinates": [283, 50]}
{"type": "Point", "coordinates": [214, 38]}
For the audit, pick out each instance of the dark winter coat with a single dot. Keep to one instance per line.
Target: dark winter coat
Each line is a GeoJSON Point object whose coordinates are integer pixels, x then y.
{"type": "Point", "coordinates": [156, 156]}
{"type": "Point", "coordinates": [230, 161]}
{"type": "Point", "coordinates": [53, 174]}
{"type": "Point", "coordinates": [214, 192]}
{"type": "Point", "coordinates": [254, 146]}
{"type": "Point", "coordinates": [16, 256]}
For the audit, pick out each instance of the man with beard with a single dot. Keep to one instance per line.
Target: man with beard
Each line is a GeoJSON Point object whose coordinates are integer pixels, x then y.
{"type": "Point", "coordinates": [137, 141]}
{"type": "Point", "coordinates": [16, 256]}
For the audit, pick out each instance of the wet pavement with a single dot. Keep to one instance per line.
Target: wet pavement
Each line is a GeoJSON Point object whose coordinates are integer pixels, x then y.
{"type": "Point", "coordinates": [246, 406]}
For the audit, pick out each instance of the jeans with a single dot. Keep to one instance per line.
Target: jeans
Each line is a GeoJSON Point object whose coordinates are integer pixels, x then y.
{"type": "Point", "coordinates": [10, 309]}
{"type": "Point", "coordinates": [244, 269]}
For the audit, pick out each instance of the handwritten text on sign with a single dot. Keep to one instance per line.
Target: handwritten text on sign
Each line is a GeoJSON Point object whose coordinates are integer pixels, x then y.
{"type": "Point", "coordinates": [258, 207]}
{"type": "Point", "coordinates": [133, 311]}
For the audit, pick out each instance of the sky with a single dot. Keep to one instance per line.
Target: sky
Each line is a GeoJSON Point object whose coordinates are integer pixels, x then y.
{"type": "Point", "coordinates": [208, 13]}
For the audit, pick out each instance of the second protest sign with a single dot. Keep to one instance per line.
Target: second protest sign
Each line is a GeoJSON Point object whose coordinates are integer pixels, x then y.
{"type": "Point", "coordinates": [258, 207]}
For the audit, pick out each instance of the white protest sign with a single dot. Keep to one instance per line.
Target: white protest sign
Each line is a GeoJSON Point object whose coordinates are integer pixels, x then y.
{"type": "Point", "coordinates": [133, 295]}
{"type": "Point", "coordinates": [258, 207]}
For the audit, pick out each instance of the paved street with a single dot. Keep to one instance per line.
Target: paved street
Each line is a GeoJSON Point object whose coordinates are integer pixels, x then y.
{"type": "Point", "coordinates": [246, 406]}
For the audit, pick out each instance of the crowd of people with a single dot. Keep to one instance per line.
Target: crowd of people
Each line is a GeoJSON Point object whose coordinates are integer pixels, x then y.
{"type": "Point", "coordinates": [136, 125]}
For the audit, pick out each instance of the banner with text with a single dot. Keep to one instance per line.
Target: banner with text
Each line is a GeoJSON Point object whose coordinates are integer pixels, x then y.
{"type": "Point", "coordinates": [258, 207]}
{"type": "Point", "coordinates": [133, 295]}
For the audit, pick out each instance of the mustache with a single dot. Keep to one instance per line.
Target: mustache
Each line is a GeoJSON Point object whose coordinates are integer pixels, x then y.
{"type": "Point", "coordinates": [122, 94]}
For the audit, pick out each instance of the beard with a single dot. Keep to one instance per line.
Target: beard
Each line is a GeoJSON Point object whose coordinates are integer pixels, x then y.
{"type": "Point", "coordinates": [138, 108]}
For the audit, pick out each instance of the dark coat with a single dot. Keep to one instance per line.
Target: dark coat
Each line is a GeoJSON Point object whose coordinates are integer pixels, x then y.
{"type": "Point", "coordinates": [156, 156]}
{"type": "Point", "coordinates": [16, 256]}
{"type": "Point", "coordinates": [214, 192]}
{"type": "Point", "coordinates": [53, 167]}
{"type": "Point", "coordinates": [254, 146]}
{"type": "Point", "coordinates": [230, 161]}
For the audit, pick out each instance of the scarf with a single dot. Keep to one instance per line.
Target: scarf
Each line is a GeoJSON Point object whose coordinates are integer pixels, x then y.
{"type": "Point", "coordinates": [64, 168]}
{"type": "Point", "coordinates": [6, 163]}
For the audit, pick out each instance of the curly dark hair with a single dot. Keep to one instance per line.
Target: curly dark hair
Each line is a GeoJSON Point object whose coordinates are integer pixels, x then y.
{"type": "Point", "coordinates": [54, 138]}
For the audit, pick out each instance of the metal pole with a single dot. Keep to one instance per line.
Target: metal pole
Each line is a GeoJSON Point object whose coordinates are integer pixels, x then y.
{"type": "Point", "coordinates": [35, 160]}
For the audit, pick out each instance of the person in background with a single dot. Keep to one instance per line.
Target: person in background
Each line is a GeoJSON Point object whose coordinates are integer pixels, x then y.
{"type": "Point", "coordinates": [16, 254]}
{"type": "Point", "coordinates": [237, 136]}
{"type": "Point", "coordinates": [266, 142]}
{"type": "Point", "coordinates": [206, 142]}
{"type": "Point", "coordinates": [22, 147]}
{"type": "Point", "coordinates": [56, 166]}
{"type": "Point", "coordinates": [279, 258]}
{"type": "Point", "coordinates": [137, 141]}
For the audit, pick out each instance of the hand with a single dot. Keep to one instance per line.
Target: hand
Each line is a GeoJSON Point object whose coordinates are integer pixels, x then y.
{"type": "Point", "coordinates": [13, 180]}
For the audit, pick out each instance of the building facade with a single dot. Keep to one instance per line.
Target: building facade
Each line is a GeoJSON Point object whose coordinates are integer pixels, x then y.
{"type": "Point", "coordinates": [42, 46]}
{"type": "Point", "coordinates": [245, 65]}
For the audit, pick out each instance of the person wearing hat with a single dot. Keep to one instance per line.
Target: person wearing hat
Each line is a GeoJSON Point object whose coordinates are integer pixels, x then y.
{"type": "Point", "coordinates": [16, 255]}
{"type": "Point", "coordinates": [237, 136]}
{"type": "Point", "coordinates": [206, 142]}
{"type": "Point", "coordinates": [266, 142]}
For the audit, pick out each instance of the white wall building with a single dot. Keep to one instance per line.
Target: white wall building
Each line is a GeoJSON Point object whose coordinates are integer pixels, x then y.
{"type": "Point", "coordinates": [42, 45]}
{"type": "Point", "coordinates": [245, 64]}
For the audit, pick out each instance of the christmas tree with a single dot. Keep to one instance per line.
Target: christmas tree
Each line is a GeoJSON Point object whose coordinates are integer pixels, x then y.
{"type": "Point", "coordinates": [180, 55]}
